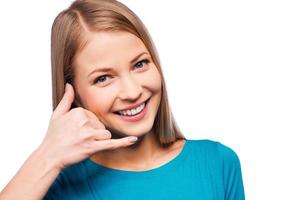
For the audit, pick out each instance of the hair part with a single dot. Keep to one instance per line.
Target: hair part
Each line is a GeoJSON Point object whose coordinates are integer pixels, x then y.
{"type": "Point", "coordinates": [68, 38]}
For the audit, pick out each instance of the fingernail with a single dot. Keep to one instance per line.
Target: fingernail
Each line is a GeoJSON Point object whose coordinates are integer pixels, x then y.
{"type": "Point", "coordinates": [132, 139]}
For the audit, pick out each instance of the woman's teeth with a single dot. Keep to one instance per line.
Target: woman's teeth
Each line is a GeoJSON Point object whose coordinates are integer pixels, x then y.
{"type": "Point", "coordinates": [132, 111]}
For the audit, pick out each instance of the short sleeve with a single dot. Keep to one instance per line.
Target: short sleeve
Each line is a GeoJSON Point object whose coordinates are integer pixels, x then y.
{"type": "Point", "coordinates": [232, 174]}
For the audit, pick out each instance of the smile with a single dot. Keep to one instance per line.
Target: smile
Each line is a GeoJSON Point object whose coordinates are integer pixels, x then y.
{"type": "Point", "coordinates": [134, 111]}
{"type": "Point", "coordinates": [135, 114]}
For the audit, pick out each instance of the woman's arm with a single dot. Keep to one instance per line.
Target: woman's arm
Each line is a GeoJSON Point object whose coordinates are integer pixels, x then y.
{"type": "Point", "coordinates": [72, 135]}
{"type": "Point", "coordinates": [33, 179]}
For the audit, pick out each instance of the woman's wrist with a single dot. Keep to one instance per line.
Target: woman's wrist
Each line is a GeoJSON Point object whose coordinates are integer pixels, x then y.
{"type": "Point", "coordinates": [34, 178]}
{"type": "Point", "coordinates": [50, 162]}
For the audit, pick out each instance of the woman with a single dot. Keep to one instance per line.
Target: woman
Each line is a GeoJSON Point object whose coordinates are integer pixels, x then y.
{"type": "Point", "coordinates": [112, 134]}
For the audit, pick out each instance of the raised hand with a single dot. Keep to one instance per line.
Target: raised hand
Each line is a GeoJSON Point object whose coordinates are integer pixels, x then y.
{"type": "Point", "coordinates": [76, 134]}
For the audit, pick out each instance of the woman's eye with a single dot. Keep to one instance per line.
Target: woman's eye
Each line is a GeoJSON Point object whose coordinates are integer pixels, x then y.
{"type": "Point", "coordinates": [141, 63]}
{"type": "Point", "coordinates": [101, 79]}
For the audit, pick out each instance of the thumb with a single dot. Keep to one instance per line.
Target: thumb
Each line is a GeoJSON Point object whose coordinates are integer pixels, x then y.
{"type": "Point", "coordinates": [66, 101]}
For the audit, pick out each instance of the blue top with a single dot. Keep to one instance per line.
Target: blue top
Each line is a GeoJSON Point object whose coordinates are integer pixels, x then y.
{"type": "Point", "coordinates": [204, 169]}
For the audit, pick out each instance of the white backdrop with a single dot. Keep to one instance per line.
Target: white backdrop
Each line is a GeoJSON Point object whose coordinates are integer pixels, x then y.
{"type": "Point", "coordinates": [232, 70]}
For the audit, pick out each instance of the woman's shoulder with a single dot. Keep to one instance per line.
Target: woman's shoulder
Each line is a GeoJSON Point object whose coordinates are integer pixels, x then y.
{"type": "Point", "coordinates": [213, 149]}
{"type": "Point", "coordinates": [220, 162]}
{"type": "Point", "coordinates": [209, 144]}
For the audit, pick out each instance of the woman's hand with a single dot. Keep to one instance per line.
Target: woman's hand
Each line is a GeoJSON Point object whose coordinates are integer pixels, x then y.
{"type": "Point", "coordinates": [76, 134]}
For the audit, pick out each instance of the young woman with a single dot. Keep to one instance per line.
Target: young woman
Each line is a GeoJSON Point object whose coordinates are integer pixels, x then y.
{"type": "Point", "coordinates": [112, 134]}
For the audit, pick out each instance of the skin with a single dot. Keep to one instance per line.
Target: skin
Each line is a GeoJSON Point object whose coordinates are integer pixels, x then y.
{"type": "Point", "coordinates": [126, 84]}
{"type": "Point", "coordinates": [93, 130]}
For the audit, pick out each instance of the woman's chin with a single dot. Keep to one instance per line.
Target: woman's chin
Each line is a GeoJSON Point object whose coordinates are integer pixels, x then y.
{"type": "Point", "coordinates": [120, 134]}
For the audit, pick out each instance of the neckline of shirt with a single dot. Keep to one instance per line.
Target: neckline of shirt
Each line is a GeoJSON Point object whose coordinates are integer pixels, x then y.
{"type": "Point", "coordinates": [158, 169]}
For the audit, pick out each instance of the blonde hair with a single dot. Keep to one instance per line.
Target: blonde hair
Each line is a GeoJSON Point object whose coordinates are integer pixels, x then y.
{"type": "Point", "coordinates": [67, 39]}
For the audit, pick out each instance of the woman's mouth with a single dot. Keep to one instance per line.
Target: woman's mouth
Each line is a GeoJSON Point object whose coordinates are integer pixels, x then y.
{"type": "Point", "coordinates": [135, 114]}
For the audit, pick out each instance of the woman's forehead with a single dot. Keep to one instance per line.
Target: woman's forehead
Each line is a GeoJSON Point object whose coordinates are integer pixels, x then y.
{"type": "Point", "coordinates": [105, 49]}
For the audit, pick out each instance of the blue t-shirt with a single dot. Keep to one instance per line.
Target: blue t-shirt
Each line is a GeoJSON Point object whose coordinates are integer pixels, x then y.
{"type": "Point", "coordinates": [204, 169]}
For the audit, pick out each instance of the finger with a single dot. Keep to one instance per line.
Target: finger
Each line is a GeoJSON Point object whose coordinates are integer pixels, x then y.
{"type": "Point", "coordinates": [94, 124]}
{"type": "Point", "coordinates": [65, 103]}
{"type": "Point", "coordinates": [92, 116]}
{"type": "Point", "coordinates": [95, 134]}
{"type": "Point", "coordinates": [113, 143]}
{"type": "Point", "coordinates": [102, 135]}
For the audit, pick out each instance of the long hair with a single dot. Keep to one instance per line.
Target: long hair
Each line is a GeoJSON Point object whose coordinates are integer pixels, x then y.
{"type": "Point", "coordinates": [67, 39]}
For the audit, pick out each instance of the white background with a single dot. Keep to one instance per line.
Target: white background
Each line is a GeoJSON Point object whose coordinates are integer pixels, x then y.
{"type": "Point", "coordinates": [232, 70]}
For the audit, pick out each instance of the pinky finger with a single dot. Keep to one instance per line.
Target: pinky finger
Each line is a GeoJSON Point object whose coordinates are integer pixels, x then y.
{"type": "Point", "coordinates": [114, 143]}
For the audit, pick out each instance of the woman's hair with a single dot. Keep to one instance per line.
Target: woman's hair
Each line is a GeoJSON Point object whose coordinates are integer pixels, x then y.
{"type": "Point", "coordinates": [67, 39]}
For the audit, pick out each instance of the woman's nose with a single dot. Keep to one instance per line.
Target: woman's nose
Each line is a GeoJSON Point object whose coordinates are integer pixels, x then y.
{"type": "Point", "coordinates": [130, 89]}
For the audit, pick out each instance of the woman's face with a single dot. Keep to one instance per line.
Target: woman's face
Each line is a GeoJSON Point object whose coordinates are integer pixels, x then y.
{"type": "Point", "coordinates": [113, 72]}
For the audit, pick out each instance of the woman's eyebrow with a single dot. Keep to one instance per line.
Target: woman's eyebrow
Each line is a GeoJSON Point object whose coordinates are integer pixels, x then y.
{"type": "Point", "coordinates": [137, 57]}
{"type": "Point", "coordinates": [107, 69]}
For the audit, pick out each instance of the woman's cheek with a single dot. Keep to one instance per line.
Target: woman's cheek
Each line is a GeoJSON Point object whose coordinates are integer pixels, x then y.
{"type": "Point", "coordinates": [105, 97]}
{"type": "Point", "coordinates": [154, 80]}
